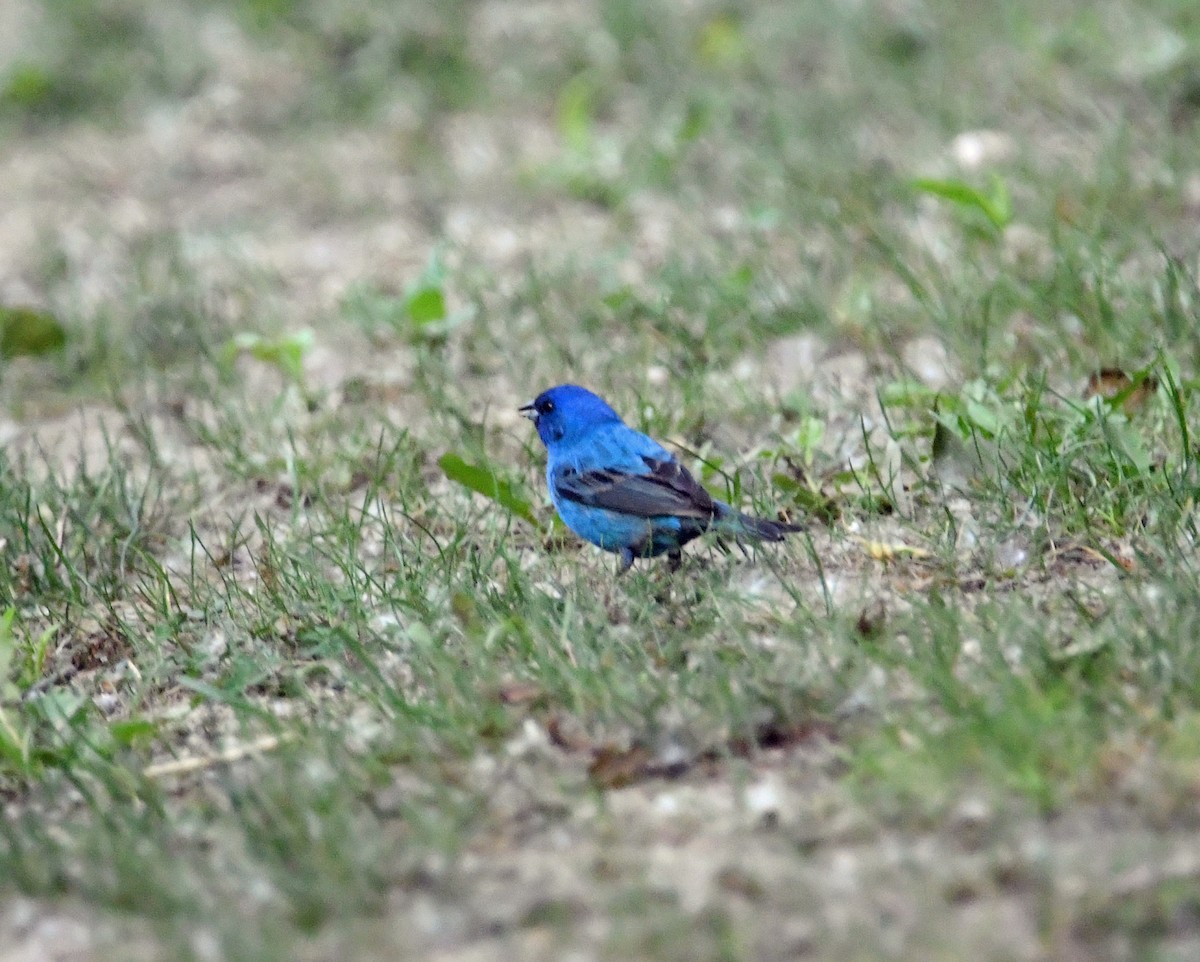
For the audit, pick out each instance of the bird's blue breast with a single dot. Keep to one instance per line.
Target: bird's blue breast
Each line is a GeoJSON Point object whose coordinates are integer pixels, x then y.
{"type": "Point", "coordinates": [614, 531]}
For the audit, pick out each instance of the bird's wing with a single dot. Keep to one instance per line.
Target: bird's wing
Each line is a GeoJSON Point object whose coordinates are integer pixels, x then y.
{"type": "Point", "coordinates": [666, 488]}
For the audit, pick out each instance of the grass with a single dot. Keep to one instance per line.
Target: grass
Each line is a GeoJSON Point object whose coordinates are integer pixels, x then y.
{"type": "Point", "coordinates": [294, 662]}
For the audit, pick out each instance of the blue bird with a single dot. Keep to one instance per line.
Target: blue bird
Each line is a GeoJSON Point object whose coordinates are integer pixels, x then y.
{"type": "Point", "coordinates": [622, 490]}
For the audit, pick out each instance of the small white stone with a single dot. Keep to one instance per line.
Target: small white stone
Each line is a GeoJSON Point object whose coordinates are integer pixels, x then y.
{"type": "Point", "coordinates": [973, 149]}
{"type": "Point", "coordinates": [763, 799]}
{"type": "Point", "coordinates": [745, 369]}
{"type": "Point", "coordinates": [667, 804]}
{"type": "Point", "coordinates": [657, 375]}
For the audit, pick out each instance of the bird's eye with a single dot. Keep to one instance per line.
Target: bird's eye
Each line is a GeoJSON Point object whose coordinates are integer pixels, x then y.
{"type": "Point", "coordinates": [547, 407]}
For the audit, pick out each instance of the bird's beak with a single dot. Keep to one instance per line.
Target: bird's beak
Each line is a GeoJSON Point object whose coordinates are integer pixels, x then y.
{"type": "Point", "coordinates": [528, 411]}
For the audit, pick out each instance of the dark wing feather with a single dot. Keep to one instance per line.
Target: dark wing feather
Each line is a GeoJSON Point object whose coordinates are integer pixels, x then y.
{"type": "Point", "coordinates": [667, 489]}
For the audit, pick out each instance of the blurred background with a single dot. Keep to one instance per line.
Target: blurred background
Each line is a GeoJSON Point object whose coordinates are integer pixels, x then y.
{"type": "Point", "coordinates": [598, 188]}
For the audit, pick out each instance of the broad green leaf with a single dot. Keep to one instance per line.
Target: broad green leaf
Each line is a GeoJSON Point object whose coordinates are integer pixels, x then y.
{"type": "Point", "coordinates": [1123, 438]}
{"type": "Point", "coordinates": [983, 417]}
{"type": "Point", "coordinates": [132, 730]}
{"type": "Point", "coordinates": [285, 352]}
{"type": "Point", "coordinates": [485, 481]}
{"type": "Point", "coordinates": [575, 113]}
{"type": "Point", "coordinates": [996, 205]}
{"type": "Point", "coordinates": [8, 655]}
{"type": "Point", "coordinates": [426, 305]}
{"type": "Point", "coordinates": [619, 299]}
{"type": "Point", "coordinates": [28, 85]}
{"type": "Point", "coordinates": [722, 43]}
{"type": "Point", "coordinates": [908, 393]}
{"type": "Point", "coordinates": [29, 332]}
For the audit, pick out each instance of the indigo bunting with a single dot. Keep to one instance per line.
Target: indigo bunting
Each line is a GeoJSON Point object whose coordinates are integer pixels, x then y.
{"type": "Point", "coordinates": [622, 490]}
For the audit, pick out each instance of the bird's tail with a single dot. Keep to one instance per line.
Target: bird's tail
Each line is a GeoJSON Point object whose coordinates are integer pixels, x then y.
{"type": "Point", "coordinates": [740, 525]}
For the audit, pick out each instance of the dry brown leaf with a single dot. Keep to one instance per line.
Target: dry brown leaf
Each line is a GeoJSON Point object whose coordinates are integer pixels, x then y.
{"type": "Point", "coordinates": [614, 767]}
{"type": "Point", "coordinates": [871, 619]}
{"type": "Point", "coordinates": [1113, 384]}
{"type": "Point", "coordinates": [1081, 553]}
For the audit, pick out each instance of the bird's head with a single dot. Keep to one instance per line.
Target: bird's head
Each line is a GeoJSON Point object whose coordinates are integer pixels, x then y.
{"type": "Point", "coordinates": [564, 413]}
